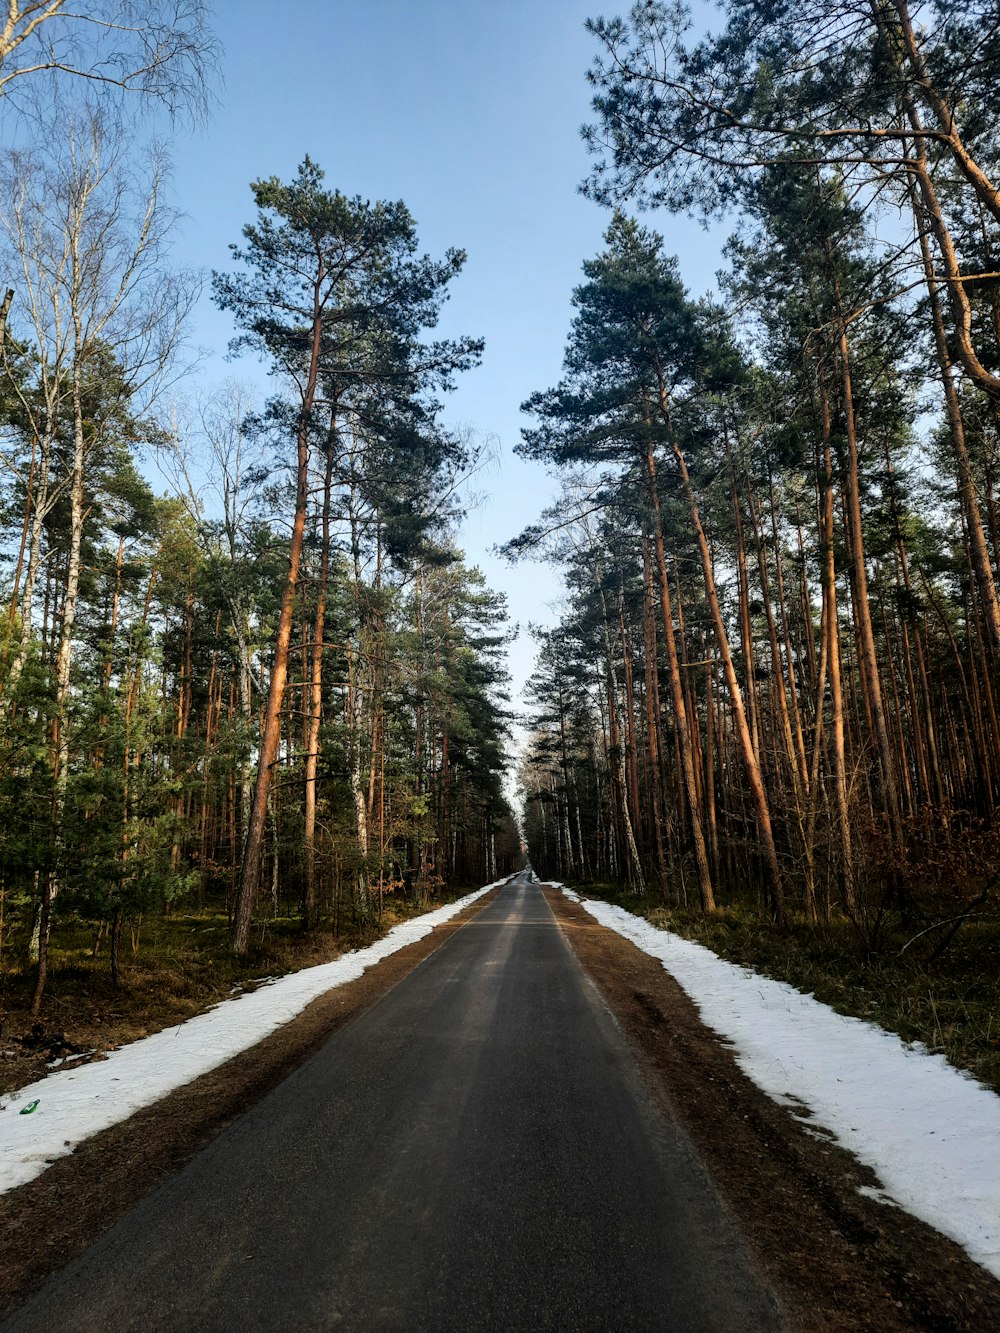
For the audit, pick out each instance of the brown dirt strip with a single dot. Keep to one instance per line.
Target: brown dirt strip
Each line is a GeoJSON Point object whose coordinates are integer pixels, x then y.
{"type": "Point", "coordinates": [836, 1260]}
{"type": "Point", "coordinates": [46, 1223]}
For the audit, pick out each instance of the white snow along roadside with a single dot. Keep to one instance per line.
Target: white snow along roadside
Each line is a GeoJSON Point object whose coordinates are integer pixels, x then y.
{"type": "Point", "coordinates": [929, 1131]}
{"type": "Point", "coordinates": [77, 1103]}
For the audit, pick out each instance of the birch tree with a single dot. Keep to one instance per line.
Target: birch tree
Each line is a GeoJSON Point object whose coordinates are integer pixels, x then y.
{"type": "Point", "coordinates": [90, 236]}
{"type": "Point", "coordinates": [161, 51]}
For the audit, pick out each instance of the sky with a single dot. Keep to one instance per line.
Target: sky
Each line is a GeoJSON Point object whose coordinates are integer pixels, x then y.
{"type": "Point", "coordinates": [471, 114]}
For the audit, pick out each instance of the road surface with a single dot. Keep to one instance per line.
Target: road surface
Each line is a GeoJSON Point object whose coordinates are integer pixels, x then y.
{"type": "Point", "coordinates": [477, 1151]}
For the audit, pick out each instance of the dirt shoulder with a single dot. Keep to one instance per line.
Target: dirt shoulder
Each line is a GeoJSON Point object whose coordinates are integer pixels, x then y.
{"type": "Point", "coordinates": [836, 1259]}
{"type": "Point", "coordinates": [46, 1223]}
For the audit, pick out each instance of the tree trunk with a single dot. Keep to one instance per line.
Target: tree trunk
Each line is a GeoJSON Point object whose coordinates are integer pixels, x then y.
{"type": "Point", "coordinates": [867, 655]}
{"type": "Point", "coordinates": [832, 632]}
{"type": "Point", "coordinates": [775, 884]}
{"type": "Point", "coordinates": [315, 711]}
{"type": "Point", "coordinates": [250, 867]}
{"type": "Point", "coordinates": [64, 663]}
{"type": "Point", "coordinates": [985, 584]}
{"type": "Point", "coordinates": [677, 693]}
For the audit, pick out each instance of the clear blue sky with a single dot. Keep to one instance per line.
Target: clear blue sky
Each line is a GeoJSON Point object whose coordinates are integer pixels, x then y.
{"type": "Point", "coordinates": [470, 112]}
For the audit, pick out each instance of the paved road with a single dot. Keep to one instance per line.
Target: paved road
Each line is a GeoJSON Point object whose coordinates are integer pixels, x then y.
{"type": "Point", "coordinates": [476, 1152]}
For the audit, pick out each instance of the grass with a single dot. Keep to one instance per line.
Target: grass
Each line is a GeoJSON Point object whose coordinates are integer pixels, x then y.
{"type": "Point", "coordinates": [952, 1005]}
{"type": "Point", "coordinates": [182, 966]}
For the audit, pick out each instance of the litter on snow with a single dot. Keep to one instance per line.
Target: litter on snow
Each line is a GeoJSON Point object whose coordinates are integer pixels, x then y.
{"type": "Point", "coordinates": [84, 1100]}
{"type": "Point", "coordinates": [929, 1131]}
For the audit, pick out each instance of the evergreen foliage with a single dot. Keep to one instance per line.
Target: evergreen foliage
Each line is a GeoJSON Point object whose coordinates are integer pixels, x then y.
{"type": "Point", "coordinates": [779, 524]}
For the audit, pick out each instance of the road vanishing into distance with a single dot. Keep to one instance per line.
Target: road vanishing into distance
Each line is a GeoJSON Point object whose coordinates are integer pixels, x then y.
{"type": "Point", "coordinates": [476, 1151]}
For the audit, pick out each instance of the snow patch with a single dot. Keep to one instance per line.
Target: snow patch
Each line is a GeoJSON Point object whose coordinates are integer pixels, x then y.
{"type": "Point", "coordinates": [567, 893]}
{"type": "Point", "coordinates": [75, 1058]}
{"type": "Point", "coordinates": [929, 1131]}
{"type": "Point", "coordinates": [77, 1103]}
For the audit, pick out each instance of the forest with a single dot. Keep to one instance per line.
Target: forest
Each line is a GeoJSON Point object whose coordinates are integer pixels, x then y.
{"type": "Point", "coordinates": [250, 692]}
{"type": "Point", "coordinates": [500, 692]}
{"type": "Point", "coordinates": [769, 710]}
{"type": "Point", "coordinates": [254, 700]}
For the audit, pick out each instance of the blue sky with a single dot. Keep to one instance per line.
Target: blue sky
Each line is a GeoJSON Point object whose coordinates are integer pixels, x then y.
{"type": "Point", "coordinates": [468, 111]}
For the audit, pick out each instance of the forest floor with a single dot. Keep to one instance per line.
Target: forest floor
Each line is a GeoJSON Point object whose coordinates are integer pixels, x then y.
{"type": "Point", "coordinates": [951, 1004]}
{"type": "Point", "coordinates": [173, 967]}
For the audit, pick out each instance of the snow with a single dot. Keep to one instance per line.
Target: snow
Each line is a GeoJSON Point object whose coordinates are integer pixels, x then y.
{"type": "Point", "coordinates": [930, 1132]}
{"type": "Point", "coordinates": [76, 1103]}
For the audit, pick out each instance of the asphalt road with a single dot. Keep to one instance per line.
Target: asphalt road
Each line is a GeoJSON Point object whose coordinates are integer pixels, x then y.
{"type": "Point", "coordinates": [476, 1152]}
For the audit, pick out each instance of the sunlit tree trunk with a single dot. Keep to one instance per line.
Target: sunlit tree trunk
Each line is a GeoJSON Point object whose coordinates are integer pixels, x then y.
{"type": "Point", "coordinates": [315, 711]}
{"type": "Point", "coordinates": [250, 866]}
{"type": "Point", "coordinates": [681, 723]}
{"type": "Point", "coordinates": [775, 882]}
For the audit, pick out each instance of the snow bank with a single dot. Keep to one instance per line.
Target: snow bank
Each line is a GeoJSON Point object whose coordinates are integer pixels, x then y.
{"type": "Point", "coordinates": [929, 1131]}
{"type": "Point", "coordinates": [76, 1103]}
